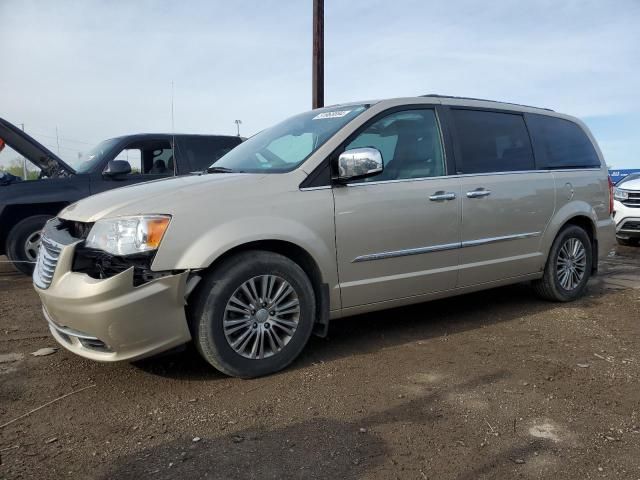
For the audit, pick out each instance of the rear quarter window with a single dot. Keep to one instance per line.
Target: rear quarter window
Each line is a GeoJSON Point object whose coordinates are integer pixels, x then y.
{"type": "Point", "coordinates": [561, 143]}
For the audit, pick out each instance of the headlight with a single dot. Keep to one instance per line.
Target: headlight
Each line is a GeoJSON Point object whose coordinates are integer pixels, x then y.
{"type": "Point", "coordinates": [128, 235]}
{"type": "Point", "coordinates": [620, 194]}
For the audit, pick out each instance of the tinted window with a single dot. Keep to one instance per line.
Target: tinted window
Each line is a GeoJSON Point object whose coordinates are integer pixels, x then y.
{"type": "Point", "coordinates": [492, 142]}
{"type": "Point", "coordinates": [409, 142]}
{"type": "Point", "coordinates": [202, 152]}
{"type": "Point", "coordinates": [561, 143]}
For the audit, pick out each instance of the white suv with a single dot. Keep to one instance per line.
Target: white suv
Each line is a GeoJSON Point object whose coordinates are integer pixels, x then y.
{"type": "Point", "coordinates": [627, 210]}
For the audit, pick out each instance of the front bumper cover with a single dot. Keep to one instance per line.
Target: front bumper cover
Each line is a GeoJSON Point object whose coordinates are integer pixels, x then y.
{"type": "Point", "coordinates": [110, 319]}
{"type": "Point", "coordinates": [627, 219]}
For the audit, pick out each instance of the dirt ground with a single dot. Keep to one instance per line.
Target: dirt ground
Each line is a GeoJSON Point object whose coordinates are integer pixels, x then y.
{"type": "Point", "coordinates": [496, 384]}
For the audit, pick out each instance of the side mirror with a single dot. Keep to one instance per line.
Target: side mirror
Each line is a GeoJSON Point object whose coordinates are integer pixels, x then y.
{"type": "Point", "coordinates": [117, 168]}
{"type": "Point", "coordinates": [359, 163]}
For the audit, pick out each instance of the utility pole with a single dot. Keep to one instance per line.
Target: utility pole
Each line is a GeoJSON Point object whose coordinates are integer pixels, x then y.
{"type": "Point", "coordinates": [317, 83]}
{"type": "Point", "coordinates": [57, 140]}
{"type": "Point", "coordinates": [238, 123]}
{"type": "Point", "coordinates": [24, 161]}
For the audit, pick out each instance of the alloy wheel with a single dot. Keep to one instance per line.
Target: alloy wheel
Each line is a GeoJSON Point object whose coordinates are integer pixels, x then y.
{"type": "Point", "coordinates": [31, 246]}
{"type": "Point", "coordinates": [571, 264]}
{"type": "Point", "coordinates": [261, 316]}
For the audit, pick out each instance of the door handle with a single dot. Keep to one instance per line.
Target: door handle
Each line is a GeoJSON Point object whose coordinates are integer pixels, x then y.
{"type": "Point", "coordinates": [478, 193]}
{"type": "Point", "coordinates": [442, 196]}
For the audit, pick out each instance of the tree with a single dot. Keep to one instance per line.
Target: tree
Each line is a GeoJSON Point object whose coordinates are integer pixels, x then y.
{"type": "Point", "coordinates": [15, 168]}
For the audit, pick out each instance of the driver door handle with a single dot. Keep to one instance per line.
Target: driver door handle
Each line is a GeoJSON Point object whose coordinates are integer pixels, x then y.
{"type": "Point", "coordinates": [478, 193]}
{"type": "Point", "coordinates": [442, 196]}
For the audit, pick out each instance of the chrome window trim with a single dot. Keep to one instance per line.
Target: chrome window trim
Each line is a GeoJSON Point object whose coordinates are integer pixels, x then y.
{"type": "Point", "coordinates": [466, 175]}
{"type": "Point", "coordinates": [443, 247]}
{"type": "Point", "coordinates": [401, 180]}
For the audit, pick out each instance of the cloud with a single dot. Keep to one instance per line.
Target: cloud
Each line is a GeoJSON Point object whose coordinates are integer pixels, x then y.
{"type": "Point", "coordinates": [97, 69]}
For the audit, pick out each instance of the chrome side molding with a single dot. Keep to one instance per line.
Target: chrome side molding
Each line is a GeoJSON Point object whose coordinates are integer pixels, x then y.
{"type": "Point", "coordinates": [506, 238]}
{"type": "Point", "coordinates": [444, 247]}
{"type": "Point", "coordinates": [404, 253]}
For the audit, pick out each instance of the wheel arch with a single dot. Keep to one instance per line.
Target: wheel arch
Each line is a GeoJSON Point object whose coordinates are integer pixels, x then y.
{"type": "Point", "coordinates": [581, 215]}
{"type": "Point", "coordinates": [12, 214]}
{"type": "Point", "coordinates": [299, 256]}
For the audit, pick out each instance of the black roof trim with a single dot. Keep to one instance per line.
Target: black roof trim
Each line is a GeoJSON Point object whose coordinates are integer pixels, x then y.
{"type": "Point", "coordinates": [435, 95]}
{"type": "Point", "coordinates": [142, 136]}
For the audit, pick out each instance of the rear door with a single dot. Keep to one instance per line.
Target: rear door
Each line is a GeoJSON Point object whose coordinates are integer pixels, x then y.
{"type": "Point", "coordinates": [506, 202]}
{"type": "Point", "coordinates": [397, 233]}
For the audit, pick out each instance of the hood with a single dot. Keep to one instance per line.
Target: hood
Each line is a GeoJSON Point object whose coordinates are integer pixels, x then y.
{"type": "Point", "coordinates": [169, 196]}
{"type": "Point", "coordinates": [38, 154]}
{"type": "Point", "coordinates": [633, 185]}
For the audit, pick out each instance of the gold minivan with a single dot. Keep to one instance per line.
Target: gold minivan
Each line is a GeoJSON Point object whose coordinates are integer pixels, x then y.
{"type": "Point", "coordinates": [337, 211]}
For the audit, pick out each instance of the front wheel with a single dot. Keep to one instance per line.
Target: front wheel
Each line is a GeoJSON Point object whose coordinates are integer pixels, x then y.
{"type": "Point", "coordinates": [253, 314]}
{"type": "Point", "coordinates": [23, 242]}
{"type": "Point", "coordinates": [568, 267]}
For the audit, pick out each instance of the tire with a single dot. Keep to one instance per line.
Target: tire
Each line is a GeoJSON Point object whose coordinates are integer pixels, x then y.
{"type": "Point", "coordinates": [628, 242]}
{"type": "Point", "coordinates": [18, 251]}
{"type": "Point", "coordinates": [209, 313]}
{"type": "Point", "coordinates": [550, 286]}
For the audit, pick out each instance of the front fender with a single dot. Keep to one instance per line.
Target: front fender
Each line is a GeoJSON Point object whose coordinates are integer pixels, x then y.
{"type": "Point", "coordinates": [303, 218]}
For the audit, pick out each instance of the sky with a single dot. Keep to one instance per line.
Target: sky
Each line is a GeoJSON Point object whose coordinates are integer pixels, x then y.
{"type": "Point", "coordinates": [97, 69]}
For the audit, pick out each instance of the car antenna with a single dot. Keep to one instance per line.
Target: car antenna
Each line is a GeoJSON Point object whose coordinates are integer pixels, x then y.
{"type": "Point", "coordinates": [173, 134]}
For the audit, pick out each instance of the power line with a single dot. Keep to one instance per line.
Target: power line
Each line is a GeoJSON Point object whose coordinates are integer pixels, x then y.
{"type": "Point", "coordinates": [68, 139]}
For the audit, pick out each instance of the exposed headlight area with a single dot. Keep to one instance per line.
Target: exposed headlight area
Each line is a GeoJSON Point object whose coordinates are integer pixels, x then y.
{"type": "Point", "coordinates": [124, 236]}
{"type": "Point", "coordinates": [114, 245]}
{"type": "Point", "coordinates": [101, 265]}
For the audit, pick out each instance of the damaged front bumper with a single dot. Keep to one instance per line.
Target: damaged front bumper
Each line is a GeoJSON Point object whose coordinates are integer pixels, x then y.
{"type": "Point", "coordinates": [110, 319]}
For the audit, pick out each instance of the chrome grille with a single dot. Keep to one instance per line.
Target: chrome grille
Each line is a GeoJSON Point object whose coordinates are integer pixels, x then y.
{"type": "Point", "coordinates": [47, 260]}
{"type": "Point", "coordinates": [633, 200]}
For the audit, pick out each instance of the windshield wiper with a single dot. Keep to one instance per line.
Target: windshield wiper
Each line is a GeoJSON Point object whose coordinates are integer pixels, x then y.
{"type": "Point", "coordinates": [215, 169]}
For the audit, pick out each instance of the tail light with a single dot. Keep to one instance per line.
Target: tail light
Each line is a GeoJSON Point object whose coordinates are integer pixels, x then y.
{"type": "Point", "coordinates": [610, 196]}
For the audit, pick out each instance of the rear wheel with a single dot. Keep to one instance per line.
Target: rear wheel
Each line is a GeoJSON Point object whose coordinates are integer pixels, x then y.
{"type": "Point", "coordinates": [568, 267]}
{"type": "Point", "coordinates": [23, 242]}
{"type": "Point", "coordinates": [253, 314]}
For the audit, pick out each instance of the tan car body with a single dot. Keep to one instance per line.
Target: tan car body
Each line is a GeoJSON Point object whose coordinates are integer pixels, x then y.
{"type": "Point", "coordinates": [352, 233]}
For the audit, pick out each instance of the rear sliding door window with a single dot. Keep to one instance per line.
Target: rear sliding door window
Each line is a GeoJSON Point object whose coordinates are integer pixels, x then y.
{"type": "Point", "coordinates": [492, 141]}
{"type": "Point", "coordinates": [561, 143]}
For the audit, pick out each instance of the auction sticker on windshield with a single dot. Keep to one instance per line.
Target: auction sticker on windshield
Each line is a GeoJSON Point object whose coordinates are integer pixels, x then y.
{"type": "Point", "coordinates": [336, 114]}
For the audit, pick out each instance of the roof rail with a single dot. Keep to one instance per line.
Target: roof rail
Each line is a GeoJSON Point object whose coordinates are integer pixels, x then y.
{"type": "Point", "coordinates": [435, 95]}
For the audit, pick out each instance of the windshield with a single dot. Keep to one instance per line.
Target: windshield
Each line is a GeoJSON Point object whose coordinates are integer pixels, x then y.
{"type": "Point", "coordinates": [95, 156]}
{"type": "Point", "coordinates": [286, 145]}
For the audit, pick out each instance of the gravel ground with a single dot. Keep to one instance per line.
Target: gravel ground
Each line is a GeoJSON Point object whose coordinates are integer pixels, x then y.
{"type": "Point", "coordinates": [496, 384]}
